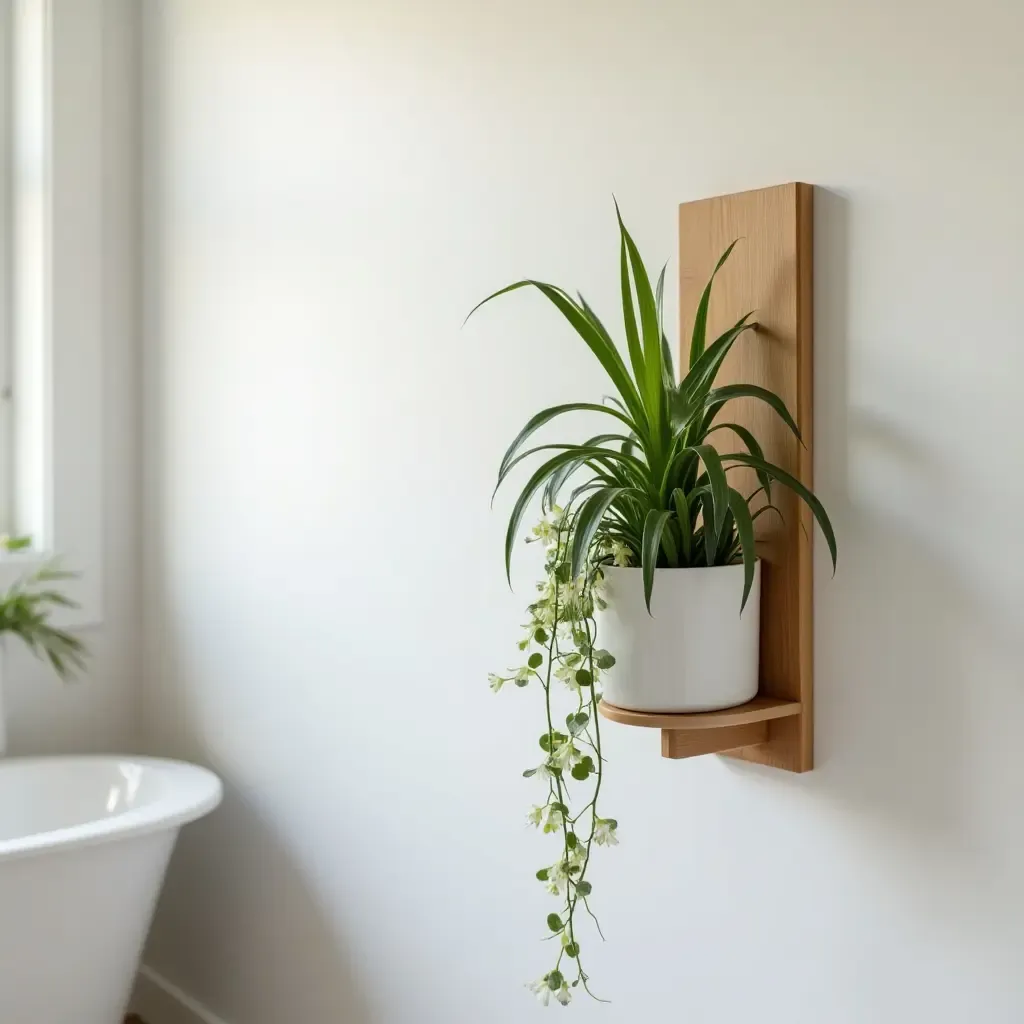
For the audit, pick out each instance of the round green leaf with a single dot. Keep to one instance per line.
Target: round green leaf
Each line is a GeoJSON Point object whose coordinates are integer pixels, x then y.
{"type": "Point", "coordinates": [580, 771]}
{"type": "Point", "coordinates": [535, 660]}
{"type": "Point", "coordinates": [584, 888]}
{"type": "Point", "coordinates": [542, 875]}
{"type": "Point", "coordinates": [604, 659]}
{"type": "Point", "coordinates": [571, 841]}
{"type": "Point", "coordinates": [541, 636]}
{"type": "Point", "coordinates": [577, 723]}
{"type": "Point", "coordinates": [583, 677]}
{"type": "Point", "coordinates": [555, 980]}
{"type": "Point", "coordinates": [554, 922]}
{"type": "Point", "coordinates": [572, 950]}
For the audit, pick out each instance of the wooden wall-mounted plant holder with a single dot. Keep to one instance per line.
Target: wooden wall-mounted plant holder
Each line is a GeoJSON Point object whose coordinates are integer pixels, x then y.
{"type": "Point", "coordinates": [770, 272]}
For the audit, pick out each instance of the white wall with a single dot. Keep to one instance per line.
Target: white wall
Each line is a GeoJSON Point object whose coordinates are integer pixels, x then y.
{"type": "Point", "coordinates": [331, 185]}
{"type": "Point", "coordinates": [100, 712]}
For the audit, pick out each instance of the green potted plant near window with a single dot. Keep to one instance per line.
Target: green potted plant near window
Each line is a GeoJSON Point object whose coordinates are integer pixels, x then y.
{"type": "Point", "coordinates": [649, 541]}
{"type": "Point", "coordinates": [25, 609]}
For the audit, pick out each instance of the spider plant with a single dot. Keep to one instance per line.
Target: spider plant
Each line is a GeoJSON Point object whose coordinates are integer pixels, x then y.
{"type": "Point", "coordinates": [654, 484]}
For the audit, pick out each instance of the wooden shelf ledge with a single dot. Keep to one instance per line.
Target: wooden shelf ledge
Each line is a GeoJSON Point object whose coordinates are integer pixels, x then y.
{"type": "Point", "coordinates": [760, 709]}
{"type": "Point", "coordinates": [708, 732]}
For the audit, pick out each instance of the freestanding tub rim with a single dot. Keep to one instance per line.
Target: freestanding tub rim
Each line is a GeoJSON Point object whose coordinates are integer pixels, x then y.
{"type": "Point", "coordinates": [140, 795]}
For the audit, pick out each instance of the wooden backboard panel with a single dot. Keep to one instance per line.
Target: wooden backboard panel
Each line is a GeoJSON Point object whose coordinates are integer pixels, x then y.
{"type": "Point", "coordinates": [770, 272]}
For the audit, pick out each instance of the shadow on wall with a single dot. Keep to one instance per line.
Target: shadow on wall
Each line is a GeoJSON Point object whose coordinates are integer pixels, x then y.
{"type": "Point", "coordinates": [890, 678]}
{"type": "Point", "coordinates": [913, 663]}
{"type": "Point", "coordinates": [292, 964]}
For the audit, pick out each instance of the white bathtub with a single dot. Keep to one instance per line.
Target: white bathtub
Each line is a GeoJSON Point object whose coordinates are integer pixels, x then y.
{"type": "Point", "coordinates": [84, 843]}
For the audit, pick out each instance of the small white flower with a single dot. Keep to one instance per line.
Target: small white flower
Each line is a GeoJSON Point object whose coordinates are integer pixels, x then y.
{"type": "Point", "coordinates": [541, 990]}
{"type": "Point", "coordinates": [553, 819]}
{"type": "Point", "coordinates": [604, 832]}
{"type": "Point", "coordinates": [621, 554]}
{"type": "Point", "coordinates": [496, 682]}
{"type": "Point", "coordinates": [568, 676]}
{"type": "Point", "coordinates": [558, 875]}
{"type": "Point", "coordinates": [535, 816]}
{"type": "Point", "coordinates": [522, 676]}
{"type": "Point", "coordinates": [565, 755]}
{"type": "Point", "coordinates": [578, 855]}
{"type": "Point", "coordinates": [542, 772]}
{"type": "Point", "coordinates": [544, 531]}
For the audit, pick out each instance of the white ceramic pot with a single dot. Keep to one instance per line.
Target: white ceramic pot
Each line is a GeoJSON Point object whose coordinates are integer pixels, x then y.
{"type": "Point", "coordinates": [694, 652]}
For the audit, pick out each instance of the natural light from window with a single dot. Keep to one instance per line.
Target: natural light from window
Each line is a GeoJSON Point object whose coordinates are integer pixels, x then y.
{"type": "Point", "coordinates": [29, 266]}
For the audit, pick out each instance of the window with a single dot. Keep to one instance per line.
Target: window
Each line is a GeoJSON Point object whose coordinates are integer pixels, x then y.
{"type": "Point", "coordinates": [51, 286]}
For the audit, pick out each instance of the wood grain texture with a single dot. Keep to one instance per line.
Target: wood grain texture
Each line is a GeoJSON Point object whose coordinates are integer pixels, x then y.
{"type": "Point", "coordinates": [679, 743]}
{"type": "Point", "coordinates": [770, 272]}
{"type": "Point", "coordinates": [761, 709]}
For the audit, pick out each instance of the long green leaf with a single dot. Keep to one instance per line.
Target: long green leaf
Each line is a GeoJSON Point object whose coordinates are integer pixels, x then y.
{"type": "Point", "coordinates": [667, 369]}
{"type": "Point", "coordinates": [753, 447]}
{"type": "Point", "coordinates": [667, 364]}
{"type": "Point", "coordinates": [717, 397]}
{"type": "Point", "coordinates": [767, 508]}
{"type": "Point", "coordinates": [546, 415]}
{"type": "Point", "coordinates": [555, 483]}
{"type": "Point", "coordinates": [700, 321]}
{"type": "Point", "coordinates": [745, 529]}
{"type": "Point", "coordinates": [659, 300]}
{"type": "Point", "coordinates": [589, 519]}
{"type": "Point", "coordinates": [525, 496]}
{"type": "Point", "coordinates": [654, 524]}
{"type": "Point", "coordinates": [702, 374]}
{"type": "Point", "coordinates": [636, 355]}
{"type": "Point", "coordinates": [607, 354]}
{"type": "Point", "coordinates": [652, 384]}
{"type": "Point", "coordinates": [683, 409]}
{"type": "Point", "coordinates": [592, 449]}
{"type": "Point", "coordinates": [798, 488]}
{"type": "Point", "coordinates": [641, 428]}
{"type": "Point", "coordinates": [716, 478]}
{"type": "Point", "coordinates": [558, 478]}
{"type": "Point", "coordinates": [669, 545]}
{"type": "Point", "coordinates": [685, 525]}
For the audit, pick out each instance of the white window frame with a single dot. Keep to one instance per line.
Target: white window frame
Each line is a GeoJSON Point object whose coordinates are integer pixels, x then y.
{"type": "Point", "coordinates": [55, 409]}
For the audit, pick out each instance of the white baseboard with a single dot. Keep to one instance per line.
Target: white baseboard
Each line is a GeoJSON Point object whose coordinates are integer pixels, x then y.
{"type": "Point", "coordinates": [158, 1001]}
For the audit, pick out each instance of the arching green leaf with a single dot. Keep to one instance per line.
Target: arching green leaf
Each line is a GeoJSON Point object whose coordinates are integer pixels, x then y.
{"type": "Point", "coordinates": [801, 491]}
{"type": "Point", "coordinates": [700, 320]}
{"type": "Point", "coordinates": [588, 521]}
{"type": "Point", "coordinates": [654, 525]}
{"type": "Point", "coordinates": [719, 396]}
{"type": "Point", "coordinates": [745, 529]}
{"type": "Point", "coordinates": [546, 415]}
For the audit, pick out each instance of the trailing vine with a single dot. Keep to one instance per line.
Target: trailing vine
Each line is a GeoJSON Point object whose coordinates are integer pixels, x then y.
{"type": "Point", "coordinates": [564, 659]}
